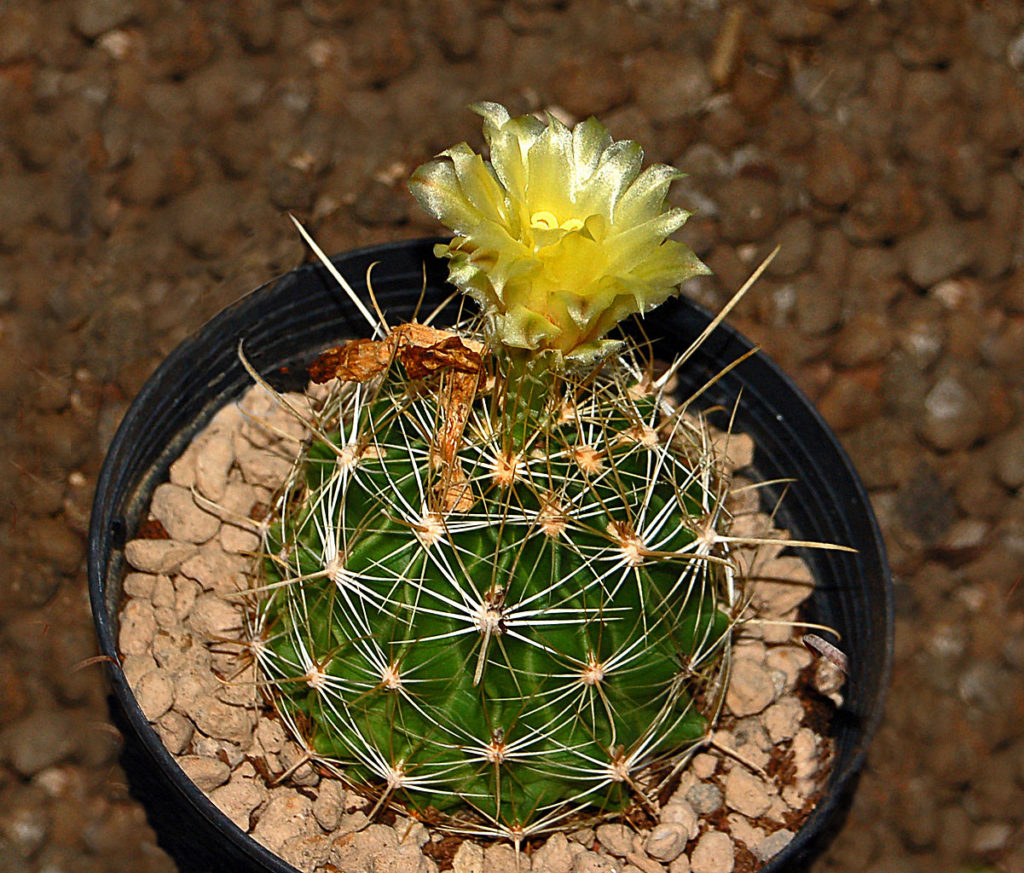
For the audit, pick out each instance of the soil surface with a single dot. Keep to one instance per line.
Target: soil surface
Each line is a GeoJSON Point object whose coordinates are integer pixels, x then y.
{"type": "Point", "coordinates": [149, 153]}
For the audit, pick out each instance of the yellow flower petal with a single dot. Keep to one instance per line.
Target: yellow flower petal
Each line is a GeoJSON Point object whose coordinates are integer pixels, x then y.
{"type": "Point", "coordinates": [559, 235]}
{"type": "Point", "coordinates": [478, 182]}
{"type": "Point", "coordinates": [645, 198]}
{"type": "Point", "coordinates": [590, 138]}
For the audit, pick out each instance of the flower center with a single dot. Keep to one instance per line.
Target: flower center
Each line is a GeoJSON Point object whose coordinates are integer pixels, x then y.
{"type": "Point", "coordinates": [544, 220]}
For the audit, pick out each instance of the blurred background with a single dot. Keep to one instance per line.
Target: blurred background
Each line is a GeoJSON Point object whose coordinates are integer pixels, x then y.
{"type": "Point", "coordinates": [151, 149]}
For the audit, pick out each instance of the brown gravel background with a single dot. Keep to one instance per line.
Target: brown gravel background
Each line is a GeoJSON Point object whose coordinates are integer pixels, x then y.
{"type": "Point", "coordinates": [150, 148]}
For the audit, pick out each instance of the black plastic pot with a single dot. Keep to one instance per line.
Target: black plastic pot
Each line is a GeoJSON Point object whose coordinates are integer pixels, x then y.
{"type": "Point", "coordinates": [285, 323]}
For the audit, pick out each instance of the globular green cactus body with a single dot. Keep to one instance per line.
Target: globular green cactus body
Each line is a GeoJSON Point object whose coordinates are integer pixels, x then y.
{"type": "Point", "coordinates": [526, 648]}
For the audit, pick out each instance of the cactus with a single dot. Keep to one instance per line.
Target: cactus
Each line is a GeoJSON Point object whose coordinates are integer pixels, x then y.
{"type": "Point", "coordinates": [497, 583]}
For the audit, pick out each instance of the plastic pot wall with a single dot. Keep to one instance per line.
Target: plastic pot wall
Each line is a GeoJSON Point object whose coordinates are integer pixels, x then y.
{"type": "Point", "coordinates": [284, 324]}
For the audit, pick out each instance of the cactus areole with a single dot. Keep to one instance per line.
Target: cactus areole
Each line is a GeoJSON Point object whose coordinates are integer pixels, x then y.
{"type": "Point", "coordinates": [496, 584]}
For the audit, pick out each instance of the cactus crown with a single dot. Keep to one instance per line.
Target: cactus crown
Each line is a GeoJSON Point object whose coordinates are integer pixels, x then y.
{"type": "Point", "coordinates": [496, 585]}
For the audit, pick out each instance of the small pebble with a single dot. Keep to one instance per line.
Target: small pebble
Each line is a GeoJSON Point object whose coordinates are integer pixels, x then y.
{"type": "Point", "coordinates": [213, 462]}
{"type": "Point", "coordinates": [704, 765]}
{"type": "Point", "coordinates": [782, 719]}
{"type": "Point", "coordinates": [138, 627]}
{"type": "Point", "coordinates": [307, 852]}
{"type": "Point", "coordinates": [742, 831]}
{"type": "Point", "coordinates": [680, 865]}
{"type": "Point", "coordinates": [214, 718]}
{"type": "Point", "coordinates": [953, 417]}
{"type": "Point", "coordinates": [237, 502]}
{"type": "Point", "coordinates": [175, 731]}
{"type": "Point", "coordinates": [213, 618]}
{"type": "Point", "coordinates": [781, 585]}
{"type": "Point", "coordinates": [162, 594]}
{"type": "Point", "coordinates": [670, 86]}
{"type": "Point", "coordinates": [137, 666]}
{"type": "Point", "coordinates": [779, 810]}
{"type": "Point", "coordinates": [238, 540]}
{"type": "Point", "coordinates": [679, 812]}
{"type": "Point", "coordinates": [176, 509]}
{"type": "Point", "coordinates": [750, 687]}
{"type": "Point", "coordinates": [502, 858]}
{"type": "Point", "coordinates": [805, 757]}
{"type": "Point", "coordinates": [93, 20]}
{"type": "Point", "coordinates": [154, 694]}
{"type": "Point", "coordinates": [297, 763]}
{"type": "Point", "coordinates": [713, 853]}
{"type": "Point", "coordinates": [640, 863]}
{"type": "Point", "coordinates": [206, 772]}
{"type": "Point", "coordinates": [185, 592]}
{"type": "Point", "coordinates": [139, 584]}
{"type": "Point", "coordinates": [270, 736]}
{"type": "Point", "coordinates": [704, 797]}
{"type": "Point", "coordinates": [1008, 451]}
{"type": "Point", "coordinates": [749, 735]}
{"type": "Point", "coordinates": [25, 821]}
{"type": "Point", "coordinates": [991, 837]}
{"type": "Point", "coordinates": [238, 799]}
{"type": "Point", "coordinates": [216, 570]}
{"type": "Point", "coordinates": [583, 836]}
{"type": "Point", "coordinates": [771, 845]}
{"type": "Point", "coordinates": [259, 469]}
{"type": "Point", "coordinates": [284, 817]}
{"type": "Point", "coordinates": [746, 792]}
{"type": "Point", "coordinates": [329, 805]}
{"type": "Point", "coordinates": [554, 856]}
{"type": "Point", "coordinates": [217, 719]}
{"type": "Point", "coordinates": [789, 660]}
{"type": "Point", "coordinates": [666, 841]}
{"type": "Point", "coordinates": [836, 171]}
{"type": "Point", "coordinates": [158, 556]}
{"type": "Point", "coordinates": [936, 252]}
{"type": "Point", "coordinates": [616, 838]}
{"type": "Point", "coordinates": [167, 619]}
{"type": "Point", "coordinates": [412, 832]}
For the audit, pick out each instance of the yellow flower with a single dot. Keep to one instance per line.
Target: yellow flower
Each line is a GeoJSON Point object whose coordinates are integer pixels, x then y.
{"type": "Point", "coordinates": [560, 235]}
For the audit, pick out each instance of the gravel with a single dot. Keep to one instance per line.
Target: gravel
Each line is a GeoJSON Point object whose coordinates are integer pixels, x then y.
{"type": "Point", "coordinates": [116, 113]}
